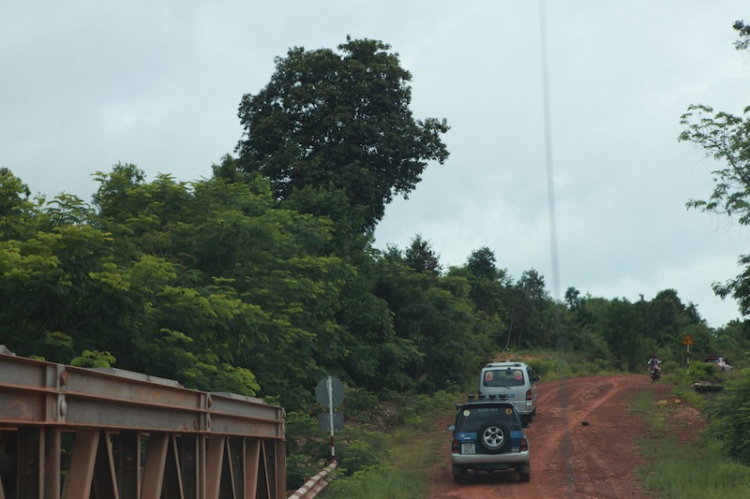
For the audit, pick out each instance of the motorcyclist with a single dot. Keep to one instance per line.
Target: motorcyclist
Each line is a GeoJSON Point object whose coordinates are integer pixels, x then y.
{"type": "Point", "coordinates": [654, 365]}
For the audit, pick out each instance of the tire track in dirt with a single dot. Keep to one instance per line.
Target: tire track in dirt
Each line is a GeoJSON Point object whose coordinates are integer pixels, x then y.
{"type": "Point", "coordinates": [574, 403]}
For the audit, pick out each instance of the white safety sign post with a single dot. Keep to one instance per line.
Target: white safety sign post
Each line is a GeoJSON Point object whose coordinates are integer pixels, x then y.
{"type": "Point", "coordinates": [330, 393]}
{"type": "Point", "coordinates": [330, 413]}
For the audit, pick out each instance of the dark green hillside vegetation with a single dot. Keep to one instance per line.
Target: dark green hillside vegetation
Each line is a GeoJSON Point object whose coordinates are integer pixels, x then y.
{"type": "Point", "coordinates": [216, 284]}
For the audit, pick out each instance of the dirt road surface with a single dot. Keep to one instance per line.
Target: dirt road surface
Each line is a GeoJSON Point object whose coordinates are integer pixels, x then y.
{"type": "Point", "coordinates": [583, 444]}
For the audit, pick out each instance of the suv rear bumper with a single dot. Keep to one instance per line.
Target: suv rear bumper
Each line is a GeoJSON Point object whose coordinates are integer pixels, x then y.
{"type": "Point", "coordinates": [524, 408]}
{"type": "Point", "coordinates": [512, 458]}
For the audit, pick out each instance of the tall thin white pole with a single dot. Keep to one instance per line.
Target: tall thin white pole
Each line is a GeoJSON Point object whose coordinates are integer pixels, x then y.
{"type": "Point", "coordinates": [329, 384]}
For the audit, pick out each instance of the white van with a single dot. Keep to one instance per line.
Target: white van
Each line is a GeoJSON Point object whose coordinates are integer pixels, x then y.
{"type": "Point", "coordinates": [512, 381]}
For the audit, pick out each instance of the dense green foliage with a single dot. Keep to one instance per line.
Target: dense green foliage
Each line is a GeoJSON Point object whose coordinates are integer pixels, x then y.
{"type": "Point", "coordinates": [339, 121]}
{"type": "Point", "coordinates": [216, 284]}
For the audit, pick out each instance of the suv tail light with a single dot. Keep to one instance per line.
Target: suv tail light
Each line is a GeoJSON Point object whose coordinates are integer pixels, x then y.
{"type": "Point", "coordinates": [529, 396]}
{"type": "Point", "coordinates": [524, 445]}
{"type": "Point", "coordinates": [454, 447]}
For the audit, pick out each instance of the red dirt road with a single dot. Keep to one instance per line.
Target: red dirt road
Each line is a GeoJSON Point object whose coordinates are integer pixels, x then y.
{"type": "Point", "coordinates": [571, 460]}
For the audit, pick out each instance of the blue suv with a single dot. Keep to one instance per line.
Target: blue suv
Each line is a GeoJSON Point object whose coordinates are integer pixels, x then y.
{"type": "Point", "coordinates": [489, 436]}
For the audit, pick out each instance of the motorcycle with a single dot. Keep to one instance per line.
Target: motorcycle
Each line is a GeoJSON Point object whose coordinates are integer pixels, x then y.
{"type": "Point", "coordinates": [655, 374]}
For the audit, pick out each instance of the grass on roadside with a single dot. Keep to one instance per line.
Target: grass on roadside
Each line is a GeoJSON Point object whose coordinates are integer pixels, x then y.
{"type": "Point", "coordinates": [405, 476]}
{"type": "Point", "coordinates": [550, 365]}
{"type": "Point", "coordinates": [413, 452]}
{"type": "Point", "coordinates": [693, 469]}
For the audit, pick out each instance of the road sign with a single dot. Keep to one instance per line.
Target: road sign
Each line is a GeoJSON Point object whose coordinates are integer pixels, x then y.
{"type": "Point", "coordinates": [688, 340]}
{"type": "Point", "coordinates": [335, 397]}
{"type": "Point", "coordinates": [330, 393]}
{"type": "Point", "coordinates": [324, 421]}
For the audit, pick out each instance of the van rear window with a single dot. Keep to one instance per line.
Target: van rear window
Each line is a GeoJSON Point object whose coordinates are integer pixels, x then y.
{"type": "Point", "coordinates": [503, 377]}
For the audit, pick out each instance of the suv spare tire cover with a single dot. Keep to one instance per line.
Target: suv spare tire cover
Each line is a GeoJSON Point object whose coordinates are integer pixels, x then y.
{"type": "Point", "coordinates": [493, 437]}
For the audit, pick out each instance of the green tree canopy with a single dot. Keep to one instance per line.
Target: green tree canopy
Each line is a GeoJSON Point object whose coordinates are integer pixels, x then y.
{"type": "Point", "coordinates": [339, 120]}
{"type": "Point", "coordinates": [531, 324]}
{"type": "Point", "coordinates": [421, 257]}
{"type": "Point", "coordinates": [14, 196]}
{"type": "Point", "coordinates": [490, 289]}
{"type": "Point", "coordinates": [726, 137]}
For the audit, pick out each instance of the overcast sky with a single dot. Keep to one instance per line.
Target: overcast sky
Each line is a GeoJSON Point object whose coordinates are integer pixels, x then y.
{"type": "Point", "coordinates": [89, 83]}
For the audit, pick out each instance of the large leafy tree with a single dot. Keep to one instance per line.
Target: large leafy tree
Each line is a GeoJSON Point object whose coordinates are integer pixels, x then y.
{"type": "Point", "coordinates": [340, 120]}
{"type": "Point", "coordinates": [665, 316]}
{"type": "Point", "coordinates": [726, 137]}
{"type": "Point", "coordinates": [491, 288]}
{"type": "Point", "coordinates": [421, 257]}
{"type": "Point", "coordinates": [490, 291]}
{"type": "Point", "coordinates": [530, 322]}
{"type": "Point", "coordinates": [14, 204]}
{"type": "Point", "coordinates": [623, 330]}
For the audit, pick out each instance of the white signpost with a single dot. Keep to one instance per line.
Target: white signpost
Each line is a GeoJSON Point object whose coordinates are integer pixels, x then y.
{"type": "Point", "coordinates": [330, 393]}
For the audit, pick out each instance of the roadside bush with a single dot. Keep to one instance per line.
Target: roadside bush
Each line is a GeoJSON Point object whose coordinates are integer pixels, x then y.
{"type": "Point", "coordinates": [420, 412]}
{"type": "Point", "coordinates": [701, 371]}
{"type": "Point", "coordinates": [306, 448]}
{"type": "Point", "coordinates": [361, 404]}
{"type": "Point", "coordinates": [550, 369]}
{"type": "Point", "coordinates": [358, 447]}
{"type": "Point", "coordinates": [587, 369]}
{"type": "Point", "coordinates": [604, 365]}
{"type": "Point", "coordinates": [731, 417]}
{"type": "Point", "coordinates": [362, 448]}
{"type": "Point", "coordinates": [671, 367]}
{"type": "Point", "coordinates": [355, 486]}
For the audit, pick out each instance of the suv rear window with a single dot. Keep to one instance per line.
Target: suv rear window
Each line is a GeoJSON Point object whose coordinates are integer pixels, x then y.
{"type": "Point", "coordinates": [470, 419]}
{"type": "Point", "coordinates": [503, 377]}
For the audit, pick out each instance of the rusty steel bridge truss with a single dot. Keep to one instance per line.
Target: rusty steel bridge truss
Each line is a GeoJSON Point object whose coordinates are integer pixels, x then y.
{"type": "Point", "coordinates": [76, 433]}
